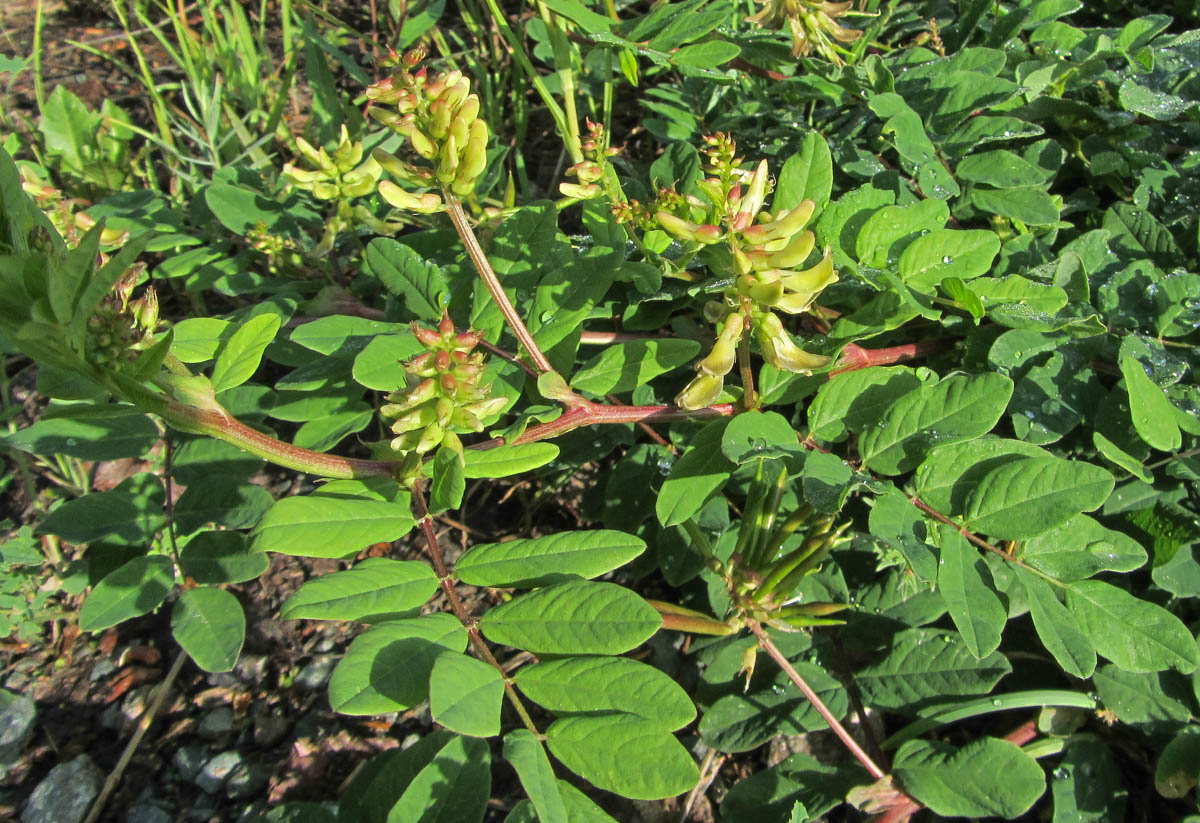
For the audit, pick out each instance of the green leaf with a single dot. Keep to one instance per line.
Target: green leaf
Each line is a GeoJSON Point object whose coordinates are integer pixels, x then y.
{"type": "Point", "coordinates": [1086, 784]}
{"type": "Point", "coordinates": [374, 589]}
{"type": "Point", "coordinates": [699, 474]}
{"type": "Point", "coordinates": [405, 274]}
{"type": "Point", "coordinates": [625, 754]}
{"type": "Point", "coordinates": [965, 585]}
{"type": "Point", "coordinates": [539, 561]}
{"type": "Point", "coordinates": [239, 356]}
{"type": "Point", "coordinates": [223, 502]}
{"type": "Point", "coordinates": [740, 722]}
{"type": "Point", "coordinates": [325, 527]}
{"type": "Point", "coordinates": [1152, 413]}
{"type": "Point", "coordinates": [852, 400]}
{"type": "Point", "coordinates": [950, 473]}
{"type": "Point", "coordinates": [942, 253]}
{"type": "Point", "coordinates": [382, 779]}
{"type": "Point", "coordinates": [107, 432]}
{"type": "Point", "coordinates": [1056, 626]}
{"type": "Point", "coordinates": [706, 55]}
{"type": "Point", "coordinates": [1178, 768]}
{"type": "Point", "coordinates": [454, 788]}
{"type": "Point", "coordinates": [198, 338]}
{"type": "Point", "coordinates": [465, 695]}
{"type": "Point", "coordinates": [526, 754]}
{"type": "Point", "coordinates": [134, 516]}
{"type": "Point", "coordinates": [985, 778]}
{"type": "Point", "coordinates": [607, 684]}
{"type": "Point", "coordinates": [221, 557]}
{"type": "Point", "coordinates": [1080, 548]}
{"type": "Point", "coordinates": [448, 484]}
{"type": "Point", "coordinates": [1031, 495]}
{"type": "Point", "coordinates": [138, 587]}
{"type": "Point", "coordinates": [1034, 208]}
{"type": "Point", "coordinates": [210, 625]}
{"type": "Point", "coordinates": [387, 667]}
{"type": "Point", "coordinates": [1000, 168]}
{"type": "Point", "coordinates": [1137, 635]}
{"type": "Point", "coordinates": [625, 366]}
{"type": "Point", "coordinates": [926, 664]}
{"type": "Point", "coordinates": [806, 175]}
{"type": "Point", "coordinates": [1152, 700]}
{"type": "Point", "coordinates": [956, 409]}
{"type": "Point", "coordinates": [758, 434]}
{"type": "Point", "coordinates": [507, 460]}
{"type": "Point", "coordinates": [578, 617]}
{"type": "Point", "coordinates": [380, 366]}
{"type": "Point", "coordinates": [883, 230]}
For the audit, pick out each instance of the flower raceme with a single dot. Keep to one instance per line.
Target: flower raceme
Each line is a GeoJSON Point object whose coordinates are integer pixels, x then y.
{"type": "Point", "coordinates": [439, 117]}
{"type": "Point", "coordinates": [765, 253]}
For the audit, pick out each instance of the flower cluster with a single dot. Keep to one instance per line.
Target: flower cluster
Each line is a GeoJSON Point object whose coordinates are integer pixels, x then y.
{"type": "Point", "coordinates": [440, 119]}
{"type": "Point", "coordinates": [763, 253]}
{"type": "Point", "coordinates": [339, 176]}
{"type": "Point", "coordinates": [443, 397]}
{"type": "Point", "coordinates": [590, 171]}
{"type": "Point", "coordinates": [121, 328]}
{"type": "Point", "coordinates": [813, 24]}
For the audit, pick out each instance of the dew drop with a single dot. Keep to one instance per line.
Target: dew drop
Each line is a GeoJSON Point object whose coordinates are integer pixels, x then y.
{"type": "Point", "coordinates": [947, 259]}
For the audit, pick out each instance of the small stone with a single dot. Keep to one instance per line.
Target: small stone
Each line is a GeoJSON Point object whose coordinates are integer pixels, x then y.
{"type": "Point", "coordinates": [270, 729]}
{"type": "Point", "coordinates": [325, 644]}
{"type": "Point", "coordinates": [223, 680]}
{"type": "Point", "coordinates": [189, 760]}
{"type": "Point", "coordinates": [246, 780]}
{"type": "Point", "coordinates": [217, 770]}
{"type": "Point", "coordinates": [16, 727]}
{"type": "Point", "coordinates": [216, 723]}
{"type": "Point", "coordinates": [102, 668]}
{"type": "Point", "coordinates": [251, 669]}
{"type": "Point", "coordinates": [147, 813]}
{"type": "Point", "coordinates": [317, 673]}
{"type": "Point", "coordinates": [65, 794]}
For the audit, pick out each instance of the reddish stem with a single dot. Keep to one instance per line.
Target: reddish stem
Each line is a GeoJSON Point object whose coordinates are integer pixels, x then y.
{"type": "Point", "coordinates": [1022, 734]}
{"type": "Point", "coordinates": [603, 338]}
{"type": "Point", "coordinates": [591, 414]}
{"type": "Point", "coordinates": [856, 357]}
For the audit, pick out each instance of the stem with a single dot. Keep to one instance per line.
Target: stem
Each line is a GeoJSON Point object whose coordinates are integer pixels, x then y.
{"type": "Point", "coordinates": [749, 396]}
{"type": "Point", "coordinates": [765, 642]}
{"type": "Point", "coordinates": [460, 609]}
{"type": "Point", "coordinates": [592, 414]}
{"type": "Point", "coordinates": [856, 357]}
{"type": "Point", "coordinates": [1034, 699]}
{"type": "Point", "coordinates": [475, 251]}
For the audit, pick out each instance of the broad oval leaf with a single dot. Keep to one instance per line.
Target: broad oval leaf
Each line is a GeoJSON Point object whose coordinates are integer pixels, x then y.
{"type": "Point", "coordinates": [137, 587]}
{"type": "Point", "coordinates": [1057, 627]}
{"type": "Point", "coordinates": [465, 695]}
{"type": "Point", "coordinates": [505, 461]}
{"type": "Point", "coordinates": [210, 625]}
{"type": "Point", "coordinates": [1080, 548]}
{"type": "Point", "coordinates": [387, 668]}
{"type": "Point", "coordinates": [956, 409]}
{"type": "Point", "coordinates": [577, 617]}
{"type": "Point", "coordinates": [604, 684]}
{"type": "Point", "coordinates": [240, 354]}
{"type": "Point", "coordinates": [948, 475]}
{"type": "Point", "coordinates": [758, 434]}
{"type": "Point", "coordinates": [540, 561]}
{"type": "Point", "coordinates": [942, 253]}
{"type": "Point", "coordinates": [221, 557]}
{"type": "Point", "coordinates": [700, 473]}
{"type": "Point", "coordinates": [625, 754]}
{"type": "Point", "coordinates": [966, 586]}
{"type": "Point", "coordinates": [106, 432]}
{"type": "Point", "coordinates": [374, 589]}
{"type": "Point", "coordinates": [405, 274]}
{"type": "Point", "coordinates": [925, 664]}
{"type": "Point", "coordinates": [985, 778]}
{"type": "Point", "coordinates": [1031, 495]}
{"type": "Point", "coordinates": [1137, 635]}
{"type": "Point", "coordinates": [625, 366]}
{"type": "Point", "coordinates": [315, 526]}
{"type": "Point", "coordinates": [454, 788]}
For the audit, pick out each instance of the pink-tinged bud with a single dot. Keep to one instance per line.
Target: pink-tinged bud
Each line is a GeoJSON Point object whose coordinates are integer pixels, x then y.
{"type": "Point", "coordinates": [709, 234]}
{"type": "Point", "coordinates": [413, 420]}
{"type": "Point", "coordinates": [441, 361]}
{"type": "Point", "coordinates": [701, 393]}
{"type": "Point", "coordinates": [413, 57]}
{"type": "Point", "coordinates": [407, 201]}
{"type": "Point", "coordinates": [426, 337]}
{"type": "Point", "coordinates": [431, 438]}
{"type": "Point", "coordinates": [424, 392]}
{"type": "Point", "coordinates": [790, 222]}
{"type": "Point", "coordinates": [756, 235]}
{"type": "Point", "coordinates": [444, 407]}
{"type": "Point", "coordinates": [580, 191]}
{"type": "Point", "coordinates": [421, 365]}
{"type": "Point", "coordinates": [754, 198]}
{"type": "Point", "coordinates": [422, 143]}
{"type": "Point", "coordinates": [446, 325]}
{"type": "Point", "coordinates": [468, 340]}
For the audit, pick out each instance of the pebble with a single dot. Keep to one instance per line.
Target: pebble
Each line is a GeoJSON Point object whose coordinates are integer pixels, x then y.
{"type": "Point", "coordinates": [251, 669]}
{"type": "Point", "coordinates": [217, 770]}
{"type": "Point", "coordinates": [246, 781]}
{"type": "Point", "coordinates": [102, 668]}
{"type": "Point", "coordinates": [16, 727]}
{"type": "Point", "coordinates": [189, 760]}
{"type": "Point", "coordinates": [216, 723]}
{"type": "Point", "coordinates": [270, 729]}
{"type": "Point", "coordinates": [147, 813]}
{"type": "Point", "coordinates": [317, 673]}
{"type": "Point", "coordinates": [65, 794]}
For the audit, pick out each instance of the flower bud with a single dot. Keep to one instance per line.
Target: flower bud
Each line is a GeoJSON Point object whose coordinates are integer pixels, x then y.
{"type": "Point", "coordinates": [407, 201]}
{"type": "Point", "coordinates": [750, 204]}
{"type": "Point", "coordinates": [762, 290]}
{"type": "Point", "coordinates": [781, 351]}
{"type": "Point", "coordinates": [793, 254]}
{"type": "Point", "coordinates": [701, 393]}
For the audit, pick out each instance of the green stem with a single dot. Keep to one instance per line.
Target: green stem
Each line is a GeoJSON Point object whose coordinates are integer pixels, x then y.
{"type": "Point", "coordinates": [479, 258]}
{"type": "Point", "coordinates": [1034, 699]}
{"type": "Point", "coordinates": [565, 69]}
{"type": "Point", "coordinates": [39, 89]}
